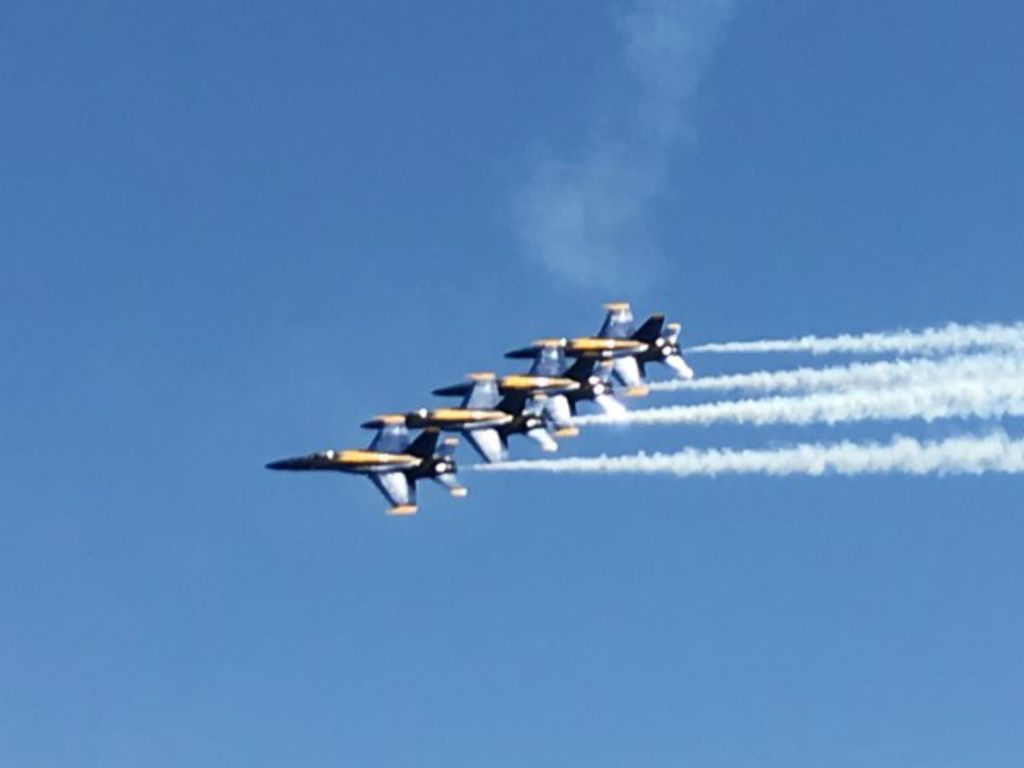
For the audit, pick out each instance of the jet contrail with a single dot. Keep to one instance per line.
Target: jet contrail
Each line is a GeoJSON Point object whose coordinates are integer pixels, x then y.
{"type": "Point", "coordinates": [972, 455]}
{"type": "Point", "coordinates": [886, 373]}
{"type": "Point", "coordinates": [928, 401]}
{"type": "Point", "coordinates": [949, 338]}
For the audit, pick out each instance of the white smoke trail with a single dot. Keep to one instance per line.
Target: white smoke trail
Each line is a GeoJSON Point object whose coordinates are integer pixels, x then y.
{"type": "Point", "coordinates": [973, 455]}
{"type": "Point", "coordinates": [886, 373]}
{"type": "Point", "coordinates": [937, 400]}
{"type": "Point", "coordinates": [949, 338]}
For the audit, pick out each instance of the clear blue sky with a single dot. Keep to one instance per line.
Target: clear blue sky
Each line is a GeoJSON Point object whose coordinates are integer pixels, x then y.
{"type": "Point", "coordinates": [231, 232]}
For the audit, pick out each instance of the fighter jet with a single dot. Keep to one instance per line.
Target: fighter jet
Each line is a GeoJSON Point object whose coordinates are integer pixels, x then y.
{"type": "Point", "coordinates": [487, 419]}
{"type": "Point", "coordinates": [591, 375]}
{"type": "Point", "coordinates": [660, 340]}
{"type": "Point", "coordinates": [391, 462]}
{"type": "Point", "coordinates": [539, 386]}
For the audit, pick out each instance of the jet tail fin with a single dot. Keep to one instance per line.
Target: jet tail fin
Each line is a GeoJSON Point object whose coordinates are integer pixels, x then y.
{"type": "Point", "coordinates": [581, 369]}
{"type": "Point", "coordinates": [513, 403]}
{"type": "Point", "coordinates": [651, 330]}
{"type": "Point", "coordinates": [425, 443]}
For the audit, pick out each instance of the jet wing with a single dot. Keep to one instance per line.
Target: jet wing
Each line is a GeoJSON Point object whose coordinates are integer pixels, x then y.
{"type": "Point", "coordinates": [488, 444]}
{"type": "Point", "coordinates": [398, 490]}
{"type": "Point", "coordinates": [391, 438]}
{"type": "Point", "coordinates": [483, 394]}
{"type": "Point", "coordinates": [618, 323]}
{"type": "Point", "coordinates": [559, 413]}
{"type": "Point", "coordinates": [627, 371]}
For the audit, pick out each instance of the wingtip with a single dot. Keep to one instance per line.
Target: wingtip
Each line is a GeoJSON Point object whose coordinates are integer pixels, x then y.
{"type": "Point", "coordinates": [402, 510]}
{"type": "Point", "coordinates": [459, 491]}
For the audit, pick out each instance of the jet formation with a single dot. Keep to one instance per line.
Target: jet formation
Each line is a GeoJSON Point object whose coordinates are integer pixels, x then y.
{"type": "Point", "coordinates": [539, 404]}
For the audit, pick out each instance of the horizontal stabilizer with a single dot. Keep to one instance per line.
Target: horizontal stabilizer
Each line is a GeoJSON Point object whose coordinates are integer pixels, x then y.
{"type": "Point", "coordinates": [543, 439]}
{"type": "Point", "coordinates": [679, 367]}
{"type": "Point", "coordinates": [610, 405]}
{"type": "Point", "coordinates": [453, 487]}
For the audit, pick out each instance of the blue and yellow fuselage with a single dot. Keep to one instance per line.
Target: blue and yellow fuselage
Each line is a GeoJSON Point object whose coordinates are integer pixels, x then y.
{"type": "Point", "coordinates": [355, 461]}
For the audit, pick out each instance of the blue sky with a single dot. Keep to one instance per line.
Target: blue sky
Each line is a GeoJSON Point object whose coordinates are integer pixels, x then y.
{"type": "Point", "coordinates": [231, 234]}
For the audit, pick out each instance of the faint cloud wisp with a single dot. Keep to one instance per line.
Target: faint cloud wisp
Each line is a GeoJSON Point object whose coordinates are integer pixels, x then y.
{"type": "Point", "coordinates": [585, 218]}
